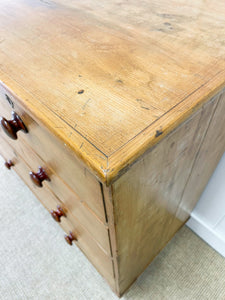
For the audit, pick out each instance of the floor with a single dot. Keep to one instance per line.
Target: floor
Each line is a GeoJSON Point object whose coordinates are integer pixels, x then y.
{"type": "Point", "coordinates": [36, 263]}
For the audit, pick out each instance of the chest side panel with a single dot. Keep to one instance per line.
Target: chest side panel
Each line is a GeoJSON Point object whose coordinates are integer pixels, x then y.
{"type": "Point", "coordinates": [147, 198]}
{"type": "Point", "coordinates": [206, 160]}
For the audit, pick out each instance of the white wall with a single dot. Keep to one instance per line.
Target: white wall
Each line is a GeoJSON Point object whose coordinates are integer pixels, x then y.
{"type": "Point", "coordinates": [208, 218]}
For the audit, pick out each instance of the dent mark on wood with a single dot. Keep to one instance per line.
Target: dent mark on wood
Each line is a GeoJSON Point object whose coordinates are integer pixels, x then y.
{"type": "Point", "coordinates": [158, 132]}
{"type": "Point", "coordinates": [80, 92]}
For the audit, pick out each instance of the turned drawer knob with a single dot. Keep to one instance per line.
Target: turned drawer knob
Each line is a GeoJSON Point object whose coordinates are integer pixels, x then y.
{"type": "Point", "coordinates": [11, 127]}
{"type": "Point", "coordinates": [39, 177]}
{"type": "Point", "coordinates": [9, 164]}
{"type": "Point", "coordinates": [70, 238]}
{"type": "Point", "coordinates": [57, 214]}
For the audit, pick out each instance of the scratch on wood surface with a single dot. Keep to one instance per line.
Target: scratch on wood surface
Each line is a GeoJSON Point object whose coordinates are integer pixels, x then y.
{"type": "Point", "coordinates": [147, 108]}
{"type": "Point", "coordinates": [86, 103]}
{"type": "Point", "coordinates": [105, 171]}
{"type": "Point", "coordinates": [81, 145]}
{"type": "Point", "coordinates": [101, 156]}
{"type": "Point", "coordinates": [141, 104]}
{"type": "Point", "coordinates": [9, 100]}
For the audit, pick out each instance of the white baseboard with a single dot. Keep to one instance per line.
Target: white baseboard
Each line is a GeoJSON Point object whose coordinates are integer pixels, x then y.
{"type": "Point", "coordinates": [209, 235]}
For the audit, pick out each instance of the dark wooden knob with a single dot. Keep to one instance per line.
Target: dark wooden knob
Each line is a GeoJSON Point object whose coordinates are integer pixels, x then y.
{"type": "Point", "coordinates": [39, 177]}
{"type": "Point", "coordinates": [9, 164]}
{"type": "Point", "coordinates": [58, 213]}
{"type": "Point", "coordinates": [70, 238]}
{"type": "Point", "coordinates": [11, 127]}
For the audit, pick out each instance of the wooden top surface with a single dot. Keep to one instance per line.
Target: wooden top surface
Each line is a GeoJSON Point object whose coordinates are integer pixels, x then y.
{"type": "Point", "coordinates": [108, 77]}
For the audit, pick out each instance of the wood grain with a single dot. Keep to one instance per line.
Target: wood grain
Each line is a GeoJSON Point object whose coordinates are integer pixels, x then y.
{"type": "Point", "coordinates": [85, 241]}
{"type": "Point", "coordinates": [79, 211]}
{"type": "Point", "coordinates": [146, 198]}
{"type": "Point", "coordinates": [109, 205]}
{"type": "Point", "coordinates": [205, 162]}
{"type": "Point", "coordinates": [56, 155]}
{"type": "Point", "coordinates": [145, 67]}
{"type": "Point", "coordinates": [124, 107]}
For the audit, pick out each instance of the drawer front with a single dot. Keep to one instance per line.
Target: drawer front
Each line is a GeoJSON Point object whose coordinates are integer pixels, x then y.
{"type": "Point", "coordinates": [79, 211]}
{"type": "Point", "coordinates": [85, 242]}
{"type": "Point", "coordinates": [58, 157]}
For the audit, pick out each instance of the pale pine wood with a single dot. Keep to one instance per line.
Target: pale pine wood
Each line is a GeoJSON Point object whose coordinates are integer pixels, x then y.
{"type": "Point", "coordinates": [206, 161]}
{"type": "Point", "coordinates": [146, 198]}
{"type": "Point", "coordinates": [86, 243]}
{"type": "Point", "coordinates": [57, 155]}
{"type": "Point", "coordinates": [109, 205]}
{"type": "Point", "coordinates": [71, 201]}
{"type": "Point", "coordinates": [122, 103]}
{"type": "Point", "coordinates": [144, 67]}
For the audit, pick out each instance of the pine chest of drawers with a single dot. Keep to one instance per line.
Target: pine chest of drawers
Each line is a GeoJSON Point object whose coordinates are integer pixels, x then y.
{"type": "Point", "coordinates": [113, 115]}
